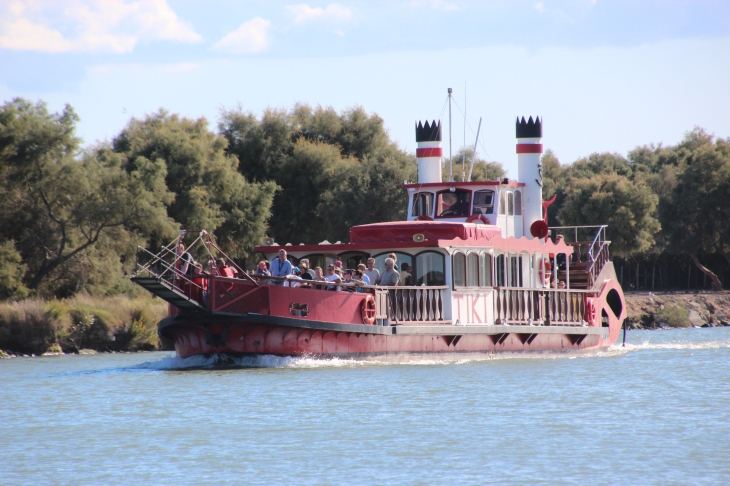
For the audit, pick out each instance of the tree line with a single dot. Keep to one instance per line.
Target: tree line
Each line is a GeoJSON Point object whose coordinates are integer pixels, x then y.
{"type": "Point", "coordinates": [71, 217]}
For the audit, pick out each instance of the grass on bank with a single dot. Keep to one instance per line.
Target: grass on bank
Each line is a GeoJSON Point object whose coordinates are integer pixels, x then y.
{"type": "Point", "coordinates": [674, 316]}
{"type": "Point", "coordinates": [118, 323]}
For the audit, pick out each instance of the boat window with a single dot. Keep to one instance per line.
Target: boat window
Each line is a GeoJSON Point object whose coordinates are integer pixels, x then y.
{"type": "Point", "coordinates": [459, 264]}
{"type": "Point", "coordinates": [453, 204]}
{"type": "Point", "coordinates": [501, 202]}
{"type": "Point", "coordinates": [515, 273]}
{"type": "Point", "coordinates": [499, 270]}
{"type": "Point", "coordinates": [422, 204]}
{"type": "Point", "coordinates": [472, 270]}
{"type": "Point", "coordinates": [485, 270]}
{"type": "Point", "coordinates": [401, 258]}
{"type": "Point", "coordinates": [351, 260]}
{"type": "Point", "coordinates": [518, 203]}
{"type": "Point", "coordinates": [430, 269]}
{"type": "Point", "coordinates": [510, 204]}
{"type": "Point", "coordinates": [483, 202]}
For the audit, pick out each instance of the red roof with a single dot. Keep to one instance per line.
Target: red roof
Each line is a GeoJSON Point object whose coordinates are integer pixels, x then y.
{"type": "Point", "coordinates": [403, 231]}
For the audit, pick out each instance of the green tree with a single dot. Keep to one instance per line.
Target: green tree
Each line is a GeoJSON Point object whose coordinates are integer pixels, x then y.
{"type": "Point", "coordinates": [629, 210]}
{"type": "Point", "coordinates": [482, 169]}
{"type": "Point", "coordinates": [209, 191]}
{"type": "Point", "coordinates": [59, 205]}
{"type": "Point", "coordinates": [553, 184]}
{"type": "Point", "coordinates": [698, 210]}
{"type": "Point", "coordinates": [12, 271]}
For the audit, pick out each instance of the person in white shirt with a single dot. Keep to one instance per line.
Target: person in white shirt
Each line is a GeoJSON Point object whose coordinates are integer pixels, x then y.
{"type": "Point", "coordinates": [372, 273]}
{"type": "Point", "coordinates": [333, 277]}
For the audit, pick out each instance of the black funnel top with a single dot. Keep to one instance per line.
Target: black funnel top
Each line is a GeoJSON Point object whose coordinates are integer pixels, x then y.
{"type": "Point", "coordinates": [529, 128]}
{"type": "Point", "coordinates": [428, 133]}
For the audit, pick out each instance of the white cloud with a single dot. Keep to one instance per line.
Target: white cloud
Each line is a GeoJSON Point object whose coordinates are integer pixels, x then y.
{"type": "Point", "coordinates": [251, 37]}
{"type": "Point", "coordinates": [101, 26]}
{"type": "Point", "coordinates": [436, 5]}
{"type": "Point", "coordinates": [332, 12]}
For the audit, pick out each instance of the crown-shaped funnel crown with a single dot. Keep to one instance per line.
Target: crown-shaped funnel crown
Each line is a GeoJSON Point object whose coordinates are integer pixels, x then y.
{"type": "Point", "coordinates": [428, 133]}
{"type": "Point", "coordinates": [529, 128]}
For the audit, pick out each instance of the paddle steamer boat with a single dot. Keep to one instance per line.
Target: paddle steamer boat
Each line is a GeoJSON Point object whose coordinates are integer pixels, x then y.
{"type": "Point", "coordinates": [483, 263]}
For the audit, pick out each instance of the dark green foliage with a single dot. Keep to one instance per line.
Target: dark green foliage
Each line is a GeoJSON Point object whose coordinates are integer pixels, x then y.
{"type": "Point", "coordinates": [482, 169]}
{"type": "Point", "coordinates": [333, 170]}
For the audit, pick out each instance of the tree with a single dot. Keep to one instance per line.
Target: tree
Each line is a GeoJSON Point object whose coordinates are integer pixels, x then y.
{"type": "Point", "coordinates": [12, 271]}
{"type": "Point", "coordinates": [57, 206]}
{"type": "Point", "coordinates": [482, 169]}
{"type": "Point", "coordinates": [697, 214]}
{"type": "Point", "coordinates": [627, 208]}
{"type": "Point", "coordinates": [553, 184]}
{"type": "Point", "coordinates": [209, 191]}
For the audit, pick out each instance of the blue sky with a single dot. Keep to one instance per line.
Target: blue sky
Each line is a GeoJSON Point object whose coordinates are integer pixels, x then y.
{"type": "Point", "coordinates": [604, 75]}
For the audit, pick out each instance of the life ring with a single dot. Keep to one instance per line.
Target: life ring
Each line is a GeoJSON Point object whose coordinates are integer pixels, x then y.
{"type": "Point", "coordinates": [424, 217]}
{"type": "Point", "coordinates": [590, 313]}
{"type": "Point", "coordinates": [368, 309]}
{"type": "Point", "coordinates": [479, 217]}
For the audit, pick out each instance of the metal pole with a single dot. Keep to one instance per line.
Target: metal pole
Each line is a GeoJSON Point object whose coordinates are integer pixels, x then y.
{"type": "Point", "coordinates": [474, 153]}
{"type": "Point", "coordinates": [451, 161]}
{"type": "Point", "coordinates": [624, 345]}
{"type": "Point", "coordinates": [463, 154]}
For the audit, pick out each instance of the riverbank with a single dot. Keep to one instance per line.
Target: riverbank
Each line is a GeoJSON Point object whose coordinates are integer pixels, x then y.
{"type": "Point", "coordinates": [677, 309]}
{"type": "Point", "coordinates": [82, 324]}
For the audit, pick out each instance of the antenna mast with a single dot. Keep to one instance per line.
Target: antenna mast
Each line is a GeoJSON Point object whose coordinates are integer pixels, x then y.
{"type": "Point", "coordinates": [463, 154]}
{"type": "Point", "coordinates": [474, 153]}
{"type": "Point", "coordinates": [451, 160]}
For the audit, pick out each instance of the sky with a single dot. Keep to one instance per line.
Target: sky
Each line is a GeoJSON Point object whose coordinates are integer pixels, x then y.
{"type": "Point", "coordinates": [605, 76]}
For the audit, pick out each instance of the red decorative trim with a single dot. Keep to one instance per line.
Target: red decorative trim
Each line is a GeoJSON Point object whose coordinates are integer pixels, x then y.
{"type": "Point", "coordinates": [429, 152]}
{"type": "Point", "coordinates": [529, 148]}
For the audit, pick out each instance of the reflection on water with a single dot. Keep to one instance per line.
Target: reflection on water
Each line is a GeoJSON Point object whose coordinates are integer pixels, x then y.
{"type": "Point", "coordinates": [653, 412]}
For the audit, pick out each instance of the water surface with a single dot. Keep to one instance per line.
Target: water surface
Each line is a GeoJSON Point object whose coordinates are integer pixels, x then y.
{"type": "Point", "coordinates": [655, 412]}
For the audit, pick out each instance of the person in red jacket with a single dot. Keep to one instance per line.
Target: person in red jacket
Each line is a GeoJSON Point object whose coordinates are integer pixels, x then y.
{"type": "Point", "coordinates": [223, 269]}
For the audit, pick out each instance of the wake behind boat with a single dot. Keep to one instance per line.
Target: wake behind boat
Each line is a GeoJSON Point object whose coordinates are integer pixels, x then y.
{"type": "Point", "coordinates": [485, 274]}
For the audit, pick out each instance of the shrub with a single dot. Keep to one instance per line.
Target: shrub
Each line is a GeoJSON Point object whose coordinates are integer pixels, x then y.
{"type": "Point", "coordinates": [674, 316]}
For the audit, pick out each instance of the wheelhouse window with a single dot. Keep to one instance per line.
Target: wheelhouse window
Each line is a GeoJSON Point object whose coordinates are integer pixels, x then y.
{"type": "Point", "coordinates": [453, 204]}
{"type": "Point", "coordinates": [502, 205]}
{"type": "Point", "coordinates": [518, 203]}
{"type": "Point", "coordinates": [472, 270]}
{"type": "Point", "coordinates": [430, 269]}
{"type": "Point", "coordinates": [459, 269]}
{"type": "Point", "coordinates": [422, 204]}
{"type": "Point", "coordinates": [485, 270]}
{"type": "Point", "coordinates": [483, 202]}
{"type": "Point", "coordinates": [510, 204]}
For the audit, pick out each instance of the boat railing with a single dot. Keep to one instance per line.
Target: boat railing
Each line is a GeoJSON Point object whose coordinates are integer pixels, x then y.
{"type": "Point", "coordinates": [411, 304]}
{"type": "Point", "coordinates": [516, 305]}
{"type": "Point", "coordinates": [159, 266]}
{"type": "Point", "coordinates": [593, 239]}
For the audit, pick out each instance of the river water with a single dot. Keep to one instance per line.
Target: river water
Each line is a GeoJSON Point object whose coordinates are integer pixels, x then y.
{"type": "Point", "coordinates": [654, 412]}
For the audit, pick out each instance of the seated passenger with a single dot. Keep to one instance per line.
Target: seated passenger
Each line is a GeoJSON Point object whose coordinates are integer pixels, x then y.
{"type": "Point", "coordinates": [261, 270]}
{"type": "Point", "coordinates": [306, 272]}
{"type": "Point", "coordinates": [359, 278]}
{"type": "Point", "coordinates": [293, 280]}
{"type": "Point", "coordinates": [390, 276]}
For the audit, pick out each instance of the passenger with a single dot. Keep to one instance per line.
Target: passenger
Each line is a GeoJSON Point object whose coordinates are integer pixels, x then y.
{"type": "Point", "coordinates": [305, 262]}
{"type": "Point", "coordinates": [554, 284]}
{"type": "Point", "coordinates": [200, 287]}
{"type": "Point", "coordinates": [372, 273]}
{"type": "Point", "coordinates": [561, 285]}
{"type": "Point", "coordinates": [395, 260]}
{"type": "Point", "coordinates": [333, 277]}
{"type": "Point", "coordinates": [405, 275]}
{"type": "Point", "coordinates": [183, 259]}
{"type": "Point", "coordinates": [223, 269]}
{"type": "Point", "coordinates": [280, 267]}
{"type": "Point", "coordinates": [304, 270]}
{"type": "Point", "coordinates": [461, 206]}
{"type": "Point", "coordinates": [212, 268]}
{"type": "Point", "coordinates": [262, 270]}
{"type": "Point", "coordinates": [318, 277]}
{"type": "Point", "coordinates": [293, 280]}
{"type": "Point", "coordinates": [359, 278]}
{"type": "Point", "coordinates": [338, 266]}
{"type": "Point", "coordinates": [363, 269]}
{"type": "Point", "coordinates": [348, 280]}
{"type": "Point", "coordinates": [390, 276]}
